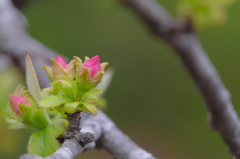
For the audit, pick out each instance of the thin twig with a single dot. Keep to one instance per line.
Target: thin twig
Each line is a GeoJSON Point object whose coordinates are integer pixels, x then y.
{"type": "Point", "coordinates": [179, 35]}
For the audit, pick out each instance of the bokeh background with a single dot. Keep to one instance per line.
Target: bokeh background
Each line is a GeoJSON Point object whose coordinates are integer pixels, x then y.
{"type": "Point", "coordinates": [151, 98]}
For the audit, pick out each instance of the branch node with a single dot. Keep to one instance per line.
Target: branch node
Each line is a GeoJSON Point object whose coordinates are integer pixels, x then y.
{"type": "Point", "coordinates": [85, 138]}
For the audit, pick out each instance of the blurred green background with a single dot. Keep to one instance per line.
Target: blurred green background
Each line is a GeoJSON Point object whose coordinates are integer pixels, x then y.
{"type": "Point", "coordinates": [151, 98]}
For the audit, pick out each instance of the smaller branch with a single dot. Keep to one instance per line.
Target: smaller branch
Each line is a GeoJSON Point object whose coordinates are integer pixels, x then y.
{"type": "Point", "coordinates": [217, 98]}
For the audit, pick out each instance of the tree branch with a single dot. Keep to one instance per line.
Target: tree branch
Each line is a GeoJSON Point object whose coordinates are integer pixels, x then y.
{"type": "Point", "coordinates": [180, 36]}
{"type": "Point", "coordinates": [5, 62]}
{"type": "Point", "coordinates": [70, 149]}
{"type": "Point", "coordinates": [14, 42]}
{"type": "Point", "coordinates": [111, 138]}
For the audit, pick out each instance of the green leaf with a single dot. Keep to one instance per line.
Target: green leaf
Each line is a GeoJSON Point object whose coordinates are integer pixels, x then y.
{"type": "Point", "coordinates": [58, 126]}
{"type": "Point", "coordinates": [90, 108]}
{"type": "Point", "coordinates": [70, 107]}
{"type": "Point", "coordinates": [102, 103]}
{"type": "Point", "coordinates": [14, 124]}
{"type": "Point", "coordinates": [89, 93]}
{"type": "Point", "coordinates": [52, 101]}
{"type": "Point", "coordinates": [65, 88]}
{"type": "Point", "coordinates": [27, 112]}
{"type": "Point", "coordinates": [32, 81]}
{"type": "Point", "coordinates": [42, 143]}
{"type": "Point", "coordinates": [205, 13]}
{"type": "Point", "coordinates": [92, 99]}
{"type": "Point", "coordinates": [9, 114]}
{"type": "Point", "coordinates": [40, 118]}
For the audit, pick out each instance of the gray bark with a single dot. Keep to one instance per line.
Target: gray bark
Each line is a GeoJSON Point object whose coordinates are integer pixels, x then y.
{"type": "Point", "coordinates": [180, 36]}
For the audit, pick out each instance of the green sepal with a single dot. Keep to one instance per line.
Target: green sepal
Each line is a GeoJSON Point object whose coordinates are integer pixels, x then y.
{"type": "Point", "coordinates": [57, 71]}
{"type": "Point", "coordinates": [78, 63]}
{"type": "Point", "coordinates": [48, 72]}
{"type": "Point", "coordinates": [53, 101]}
{"type": "Point", "coordinates": [104, 65]}
{"type": "Point", "coordinates": [40, 118]}
{"type": "Point", "coordinates": [26, 113]}
{"type": "Point", "coordinates": [58, 126]}
{"type": "Point", "coordinates": [85, 82]}
{"type": "Point", "coordinates": [42, 143]}
{"type": "Point", "coordinates": [70, 107]}
{"type": "Point", "coordinates": [30, 99]}
{"type": "Point", "coordinates": [71, 69]}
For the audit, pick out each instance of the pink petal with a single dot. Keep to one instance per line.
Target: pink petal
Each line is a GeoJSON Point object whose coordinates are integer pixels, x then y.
{"type": "Point", "coordinates": [15, 101]}
{"type": "Point", "coordinates": [93, 65]}
{"type": "Point", "coordinates": [61, 62]}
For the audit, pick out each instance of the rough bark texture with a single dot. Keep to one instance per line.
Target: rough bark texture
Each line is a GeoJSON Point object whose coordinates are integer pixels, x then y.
{"type": "Point", "coordinates": [179, 35]}
{"type": "Point", "coordinates": [74, 125]}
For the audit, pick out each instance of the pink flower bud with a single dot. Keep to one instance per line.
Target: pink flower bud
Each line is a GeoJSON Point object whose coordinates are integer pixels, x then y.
{"type": "Point", "coordinates": [15, 101]}
{"type": "Point", "coordinates": [93, 65]}
{"type": "Point", "coordinates": [61, 62]}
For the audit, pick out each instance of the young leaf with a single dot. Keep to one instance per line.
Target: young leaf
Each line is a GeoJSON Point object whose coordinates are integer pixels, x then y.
{"type": "Point", "coordinates": [58, 126]}
{"type": "Point", "coordinates": [40, 118]}
{"type": "Point", "coordinates": [65, 88]}
{"type": "Point", "coordinates": [90, 108]}
{"type": "Point", "coordinates": [92, 99]}
{"type": "Point", "coordinates": [52, 101]}
{"type": "Point", "coordinates": [89, 93]}
{"type": "Point", "coordinates": [70, 107]}
{"type": "Point", "coordinates": [42, 143]}
{"type": "Point", "coordinates": [32, 81]}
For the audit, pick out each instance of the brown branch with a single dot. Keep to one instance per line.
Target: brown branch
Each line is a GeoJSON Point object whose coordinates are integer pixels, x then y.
{"type": "Point", "coordinates": [14, 41]}
{"type": "Point", "coordinates": [222, 115]}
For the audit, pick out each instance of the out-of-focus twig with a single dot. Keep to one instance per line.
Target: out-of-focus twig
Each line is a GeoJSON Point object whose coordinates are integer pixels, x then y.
{"type": "Point", "coordinates": [5, 62]}
{"type": "Point", "coordinates": [180, 36]}
{"type": "Point", "coordinates": [15, 41]}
